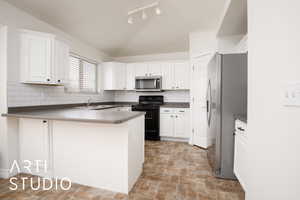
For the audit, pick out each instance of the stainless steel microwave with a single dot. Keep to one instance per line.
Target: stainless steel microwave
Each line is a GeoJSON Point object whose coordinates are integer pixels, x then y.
{"type": "Point", "coordinates": [148, 83]}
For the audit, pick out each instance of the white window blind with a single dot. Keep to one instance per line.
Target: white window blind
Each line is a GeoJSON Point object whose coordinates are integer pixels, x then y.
{"type": "Point", "coordinates": [88, 77]}
{"type": "Point", "coordinates": [74, 70]}
{"type": "Point", "coordinates": [82, 76]}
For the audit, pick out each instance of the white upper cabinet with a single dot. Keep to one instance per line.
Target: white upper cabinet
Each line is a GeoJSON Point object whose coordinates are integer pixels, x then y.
{"type": "Point", "coordinates": [168, 76]}
{"type": "Point", "coordinates": [182, 76]}
{"type": "Point", "coordinates": [141, 69]}
{"type": "Point", "coordinates": [148, 69]}
{"type": "Point", "coordinates": [114, 76]}
{"type": "Point", "coordinates": [43, 59]}
{"type": "Point", "coordinates": [175, 75]}
{"type": "Point", "coordinates": [61, 62]}
{"type": "Point", "coordinates": [154, 69]}
{"type": "Point", "coordinates": [130, 76]}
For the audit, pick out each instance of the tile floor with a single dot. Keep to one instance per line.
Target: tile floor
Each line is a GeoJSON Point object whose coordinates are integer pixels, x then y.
{"type": "Point", "coordinates": [172, 171]}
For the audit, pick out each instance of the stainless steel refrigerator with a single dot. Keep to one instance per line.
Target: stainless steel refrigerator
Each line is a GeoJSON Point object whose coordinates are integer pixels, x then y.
{"type": "Point", "coordinates": [226, 98]}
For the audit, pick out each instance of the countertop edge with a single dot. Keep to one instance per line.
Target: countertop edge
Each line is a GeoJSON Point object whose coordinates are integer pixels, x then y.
{"type": "Point", "coordinates": [15, 115]}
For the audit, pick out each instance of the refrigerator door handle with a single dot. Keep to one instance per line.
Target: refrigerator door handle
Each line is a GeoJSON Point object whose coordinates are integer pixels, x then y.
{"type": "Point", "coordinates": [208, 103]}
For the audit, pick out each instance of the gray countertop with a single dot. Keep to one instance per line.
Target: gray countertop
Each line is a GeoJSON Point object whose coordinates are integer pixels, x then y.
{"type": "Point", "coordinates": [83, 115]}
{"type": "Point", "coordinates": [176, 105]}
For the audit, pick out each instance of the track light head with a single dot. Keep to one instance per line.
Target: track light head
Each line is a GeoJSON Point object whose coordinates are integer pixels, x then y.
{"type": "Point", "coordinates": [130, 20]}
{"type": "Point", "coordinates": [157, 11]}
{"type": "Point", "coordinates": [144, 15]}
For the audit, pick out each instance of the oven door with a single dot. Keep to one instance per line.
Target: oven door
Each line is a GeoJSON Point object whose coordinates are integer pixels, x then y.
{"type": "Point", "coordinates": [148, 83]}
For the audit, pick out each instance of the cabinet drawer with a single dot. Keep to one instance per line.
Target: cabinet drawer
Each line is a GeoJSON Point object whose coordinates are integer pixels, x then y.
{"type": "Point", "coordinates": [180, 110]}
{"type": "Point", "coordinates": [166, 110]}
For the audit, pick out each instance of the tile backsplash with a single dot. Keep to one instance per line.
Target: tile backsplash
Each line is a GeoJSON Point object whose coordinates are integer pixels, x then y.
{"type": "Point", "coordinates": [169, 96]}
{"type": "Point", "coordinates": [20, 94]}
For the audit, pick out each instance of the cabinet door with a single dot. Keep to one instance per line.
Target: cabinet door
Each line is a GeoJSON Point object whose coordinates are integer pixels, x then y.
{"type": "Point", "coordinates": [36, 58]}
{"type": "Point", "coordinates": [107, 69]}
{"type": "Point", "coordinates": [166, 125]}
{"type": "Point", "coordinates": [240, 160]}
{"type": "Point", "coordinates": [182, 76]}
{"type": "Point", "coordinates": [181, 123]}
{"type": "Point", "coordinates": [119, 76]}
{"type": "Point", "coordinates": [168, 76]}
{"type": "Point", "coordinates": [114, 76]}
{"type": "Point", "coordinates": [154, 69]}
{"type": "Point", "coordinates": [141, 69]}
{"type": "Point", "coordinates": [61, 62]}
{"type": "Point", "coordinates": [130, 76]}
{"type": "Point", "coordinates": [34, 142]}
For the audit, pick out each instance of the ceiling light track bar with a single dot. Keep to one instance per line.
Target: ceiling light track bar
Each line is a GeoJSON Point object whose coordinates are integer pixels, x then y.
{"type": "Point", "coordinates": [155, 4]}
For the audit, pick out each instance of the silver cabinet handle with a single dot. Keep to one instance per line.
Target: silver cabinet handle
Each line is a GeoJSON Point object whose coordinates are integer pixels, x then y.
{"type": "Point", "coordinates": [176, 116]}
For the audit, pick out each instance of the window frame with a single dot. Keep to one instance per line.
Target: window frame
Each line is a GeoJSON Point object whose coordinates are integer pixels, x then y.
{"type": "Point", "coordinates": [81, 60]}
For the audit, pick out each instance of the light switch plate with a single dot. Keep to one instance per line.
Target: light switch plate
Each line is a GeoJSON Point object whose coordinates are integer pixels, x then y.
{"type": "Point", "coordinates": [292, 94]}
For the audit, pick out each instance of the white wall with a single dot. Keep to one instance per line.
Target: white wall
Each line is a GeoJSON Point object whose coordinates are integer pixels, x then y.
{"type": "Point", "coordinates": [26, 95]}
{"type": "Point", "coordinates": [202, 42]}
{"type": "Point", "coordinates": [154, 57]}
{"type": "Point", "coordinates": [229, 44]}
{"type": "Point", "coordinates": [3, 100]}
{"type": "Point", "coordinates": [273, 129]}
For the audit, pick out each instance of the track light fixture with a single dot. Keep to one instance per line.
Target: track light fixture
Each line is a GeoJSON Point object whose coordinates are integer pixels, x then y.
{"type": "Point", "coordinates": [143, 9]}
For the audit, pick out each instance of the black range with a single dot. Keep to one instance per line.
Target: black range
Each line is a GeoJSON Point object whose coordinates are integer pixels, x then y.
{"type": "Point", "coordinates": [150, 105]}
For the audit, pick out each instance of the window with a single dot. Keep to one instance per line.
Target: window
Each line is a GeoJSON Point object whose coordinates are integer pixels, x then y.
{"type": "Point", "coordinates": [82, 76]}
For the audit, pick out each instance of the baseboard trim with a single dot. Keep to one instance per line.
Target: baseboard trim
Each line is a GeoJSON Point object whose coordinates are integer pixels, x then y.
{"type": "Point", "coordinates": [173, 139]}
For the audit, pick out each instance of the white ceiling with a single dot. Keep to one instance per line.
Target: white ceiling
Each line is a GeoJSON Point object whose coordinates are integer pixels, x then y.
{"type": "Point", "coordinates": [103, 23]}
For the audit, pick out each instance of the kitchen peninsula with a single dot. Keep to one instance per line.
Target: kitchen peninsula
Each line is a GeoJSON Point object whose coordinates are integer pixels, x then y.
{"type": "Point", "coordinates": [100, 148]}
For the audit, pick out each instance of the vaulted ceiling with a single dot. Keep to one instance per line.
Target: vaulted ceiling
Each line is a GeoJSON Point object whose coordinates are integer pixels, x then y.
{"type": "Point", "coordinates": [103, 23]}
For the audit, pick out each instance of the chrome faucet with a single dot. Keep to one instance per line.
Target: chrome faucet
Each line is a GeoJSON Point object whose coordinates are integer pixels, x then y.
{"type": "Point", "coordinates": [88, 102]}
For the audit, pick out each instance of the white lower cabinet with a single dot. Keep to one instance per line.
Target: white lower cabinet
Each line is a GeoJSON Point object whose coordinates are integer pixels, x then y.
{"type": "Point", "coordinates": [35, 140]}
{"type": "Point", "coordinates": [166, 125]}
{"type": "Point", "coordinates": [240, 157]}
{"type": "Point", "coordinates": [174, 122]}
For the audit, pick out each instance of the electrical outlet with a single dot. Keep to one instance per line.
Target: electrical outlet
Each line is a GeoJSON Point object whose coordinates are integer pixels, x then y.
{"type": "Point", "coordinates": [292, 94]}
